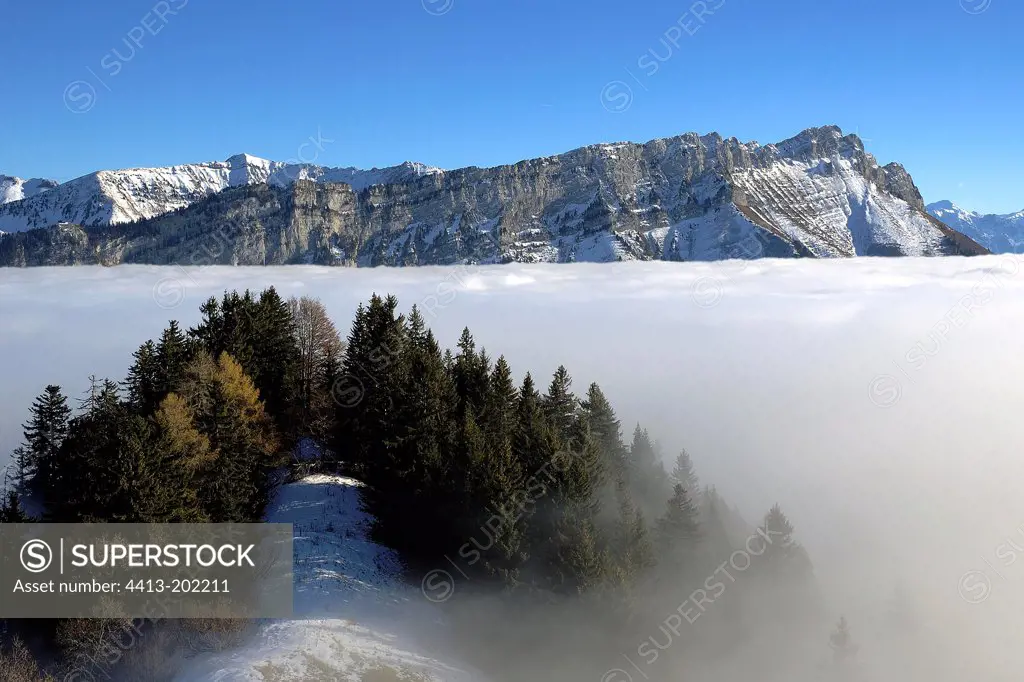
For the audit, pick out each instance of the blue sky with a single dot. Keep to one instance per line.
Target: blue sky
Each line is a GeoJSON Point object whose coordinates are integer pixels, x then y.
{"type": "Point", "coordinates": [934, 84]}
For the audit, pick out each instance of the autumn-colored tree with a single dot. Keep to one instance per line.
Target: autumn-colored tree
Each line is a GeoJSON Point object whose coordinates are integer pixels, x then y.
{"type": "Point", "coordinates": [225, 408]}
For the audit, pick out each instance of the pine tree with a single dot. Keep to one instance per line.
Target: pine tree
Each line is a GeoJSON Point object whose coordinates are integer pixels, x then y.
{"type": "Point", "coordinates": [684, 474]}
{"type": "Point", "coordinates": [10, 509]}
{"type": "Point", "coordinates": [94, 470]}
{"type": "Point", "coordinates": [606, 430]}
{"type": "Point", "coordinates": [646, 475]}
{"type": "Point", "coordinates": [275, 357]}
{"type": "Point", "coordinates": [173, 353]}
{"type": "Point", "coordinates": [144, 378]}
{"type": "Point", "coordinates": [841, 642]}
{"type": "Point", "coordinates": [630, 544]}
{"type": "Point", "coordinates": [533, 444]}
{"type": "Point", "coordinates": [560, 404]}
{"type": "Point", "coordinates": [784, 562]}
{"type": "Point", "coordinates": [678, 530]}
{"type": "Point", "coordinates": [45, 433]}
{"type": "Point", "coordinates": [471, 370]}
{"type": "Point", "coordinates": [23, 467]}
{"type": "Point", "coordinates": [416, 486]}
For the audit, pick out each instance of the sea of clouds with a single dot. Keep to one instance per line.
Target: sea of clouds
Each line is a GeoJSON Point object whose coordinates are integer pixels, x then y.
{"type": "Point", "coordinates": [877, 400]}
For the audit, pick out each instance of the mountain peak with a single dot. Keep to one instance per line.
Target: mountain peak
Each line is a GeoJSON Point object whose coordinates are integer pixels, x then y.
{"type": "Point", "coordinates": [244, 158]}
{"type": "Point", "coordinates": [944, 205]}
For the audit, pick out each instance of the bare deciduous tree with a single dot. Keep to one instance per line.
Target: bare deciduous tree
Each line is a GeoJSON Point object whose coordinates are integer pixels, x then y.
{"type": "Point", "coordinates": [320, 349]}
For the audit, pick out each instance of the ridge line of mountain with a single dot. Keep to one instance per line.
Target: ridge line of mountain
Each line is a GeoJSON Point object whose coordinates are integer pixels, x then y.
{"type": "Point", "coordinates": [689, 197]}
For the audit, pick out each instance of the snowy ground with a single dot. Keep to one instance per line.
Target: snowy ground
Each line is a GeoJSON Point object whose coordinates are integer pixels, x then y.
{"type": "Point", "coordinates": [355, 619]}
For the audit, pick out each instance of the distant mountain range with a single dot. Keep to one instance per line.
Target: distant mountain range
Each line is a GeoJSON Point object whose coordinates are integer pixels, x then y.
{"type": "Point", "coordinates": [690, 197]}
{"type": "Point", "coordinates": [997, 233]}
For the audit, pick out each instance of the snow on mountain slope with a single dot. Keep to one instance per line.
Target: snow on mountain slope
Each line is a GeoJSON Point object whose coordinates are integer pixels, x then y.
{"type": "Point", "coordinates": [123, 196]}
{"type": "Point", "coordinates": [689, 197]}
{"type": "Point", "coordinates": [829, 207]}
{"type": "Point", "coordinates": [16, 189]}
{"type": "Point", "coordinates": [998, 233]}
{"type": "Point", "coordinates": [355, 619]}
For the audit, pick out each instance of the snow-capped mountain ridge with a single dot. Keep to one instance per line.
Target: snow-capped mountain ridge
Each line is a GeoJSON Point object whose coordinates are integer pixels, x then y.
{"type": "Point", "coordinates": [998, 233]}
{"type": "Point", "coordinates": [132, 194]}
{"type": "Point", "coordinates": [689, 197]}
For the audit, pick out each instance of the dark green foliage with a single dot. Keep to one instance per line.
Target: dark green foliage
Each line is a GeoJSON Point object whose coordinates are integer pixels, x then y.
{"type": "Point", "coordinates": [606, 429]}
{"type": "Point", "coordinates": [259, 333]}
{"type": "Point", "coordinates": [173, 353]}
{"type": "Point", "coordinates": [560, 404]}
{"type": "Point", "coordinates": [144, 378]}
{"type": "Point", "coordinates": [45, 432]}
{"type": "Point", "coordinates": [10, 509]}
{"type": "Point", "coordinates": [678, 530]}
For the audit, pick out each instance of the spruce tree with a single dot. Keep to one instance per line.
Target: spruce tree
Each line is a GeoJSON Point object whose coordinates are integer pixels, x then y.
{"type": "Point", "coordinates": [10, 509]}
{"type": "Point", "coordinates": [606, 430]}
{"type": "Point", "coordinates": [275, 356]}
{"type": "Point", "coordinates": [784, 563]}
{"type": "Point", "coordinates": [646, 475]}
{"type": "Point", "coordinates": [173, 353]}
{"type": "Point", "coordinates": [470, 370]}
{"type": "Point", "coordinates": [841, 642]}
{"type": "Point", "coordinates": [144, 377]}
{"type": "Point", "coordinates": [560, 404]}
{"type": "Point", "coordinates": [45, 433]}
{"type": "Point", "coordinates": [678, 529]}
{"type": "Point", "coordinates": [684, 474]}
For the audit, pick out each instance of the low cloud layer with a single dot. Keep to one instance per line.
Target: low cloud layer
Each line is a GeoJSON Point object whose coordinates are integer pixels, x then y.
{"type": "Point", "coordinates": [876, 400]}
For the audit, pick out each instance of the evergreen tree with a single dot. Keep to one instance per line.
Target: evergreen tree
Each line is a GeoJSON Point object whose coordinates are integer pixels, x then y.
{"type": "Point", "coordinates": [94, 471]}
{"type": "Point", "coordinates": [533, 444]}
{"type": "Point", "coordinates": [470, 371]}
{"type": "Point", "coordinates": [646, 475]}
{"type": "Point", "coordinates": [144, 378]}
{"type": "Point", "coordinates": [275, 356]}
{"type": "Point", "coordinates": [678, 530]}
{"type": "Point", "coordinates": [606, 430]}
{"type": "Point", "coordinates": [23, 466]}
{"type": "Point", "coordinates": [630, 546]}
{"type": "Point", "coordinates": [785, 557]}
{"type": "Point", "coordinates": [415, 484]}
{"type": "Point", "coordinates": [560, 404]}
{"type": "Point", "coordinates": [375, 367]}
{"type": "Point", "coordinates": [10, 509]}
{"type": "Point", "coordinates": [841, 642]}
{"type": "Point", "coordinates": [684, 474]}
{"type": "Point", "coordinates": [45, 433]}
{"type": "Point", "coordinates": [173, 353]}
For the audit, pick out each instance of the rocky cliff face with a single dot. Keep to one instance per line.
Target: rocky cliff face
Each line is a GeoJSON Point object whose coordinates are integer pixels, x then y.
{"type": "Point", "coordinates": [690, 197]}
